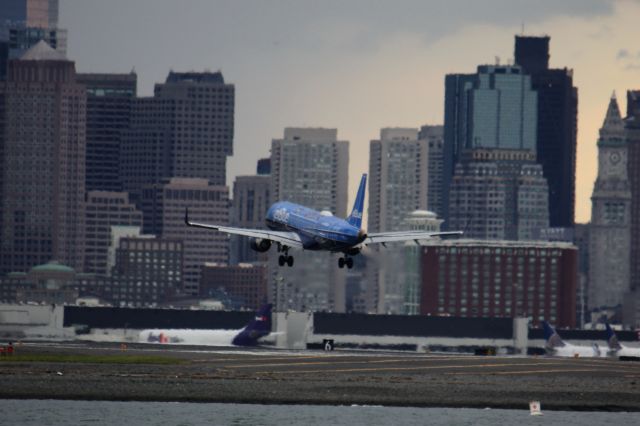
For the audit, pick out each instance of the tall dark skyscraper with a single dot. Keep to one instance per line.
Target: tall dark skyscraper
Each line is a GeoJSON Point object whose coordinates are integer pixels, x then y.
{"type": "Point", "coordinates": [455, 129]}
{"type": "Point", "coordinates": [632, 135]}
{"type": "Point", "coordinates": [109, 100]}
{"type": "Point", "coordinates": [557, 125]}
{"type": "Point", "coordinates": [184, 130]}
{"type": "Point", "coordinates": [631, 304]}
{"type": "Point", "coordinates": [532, 53]}
{"type": "Point", "coordinates": [42, 162]}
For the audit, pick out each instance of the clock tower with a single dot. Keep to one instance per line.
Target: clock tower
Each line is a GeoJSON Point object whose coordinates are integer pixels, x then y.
{"type": "Point", "coordinates": [610, 243]}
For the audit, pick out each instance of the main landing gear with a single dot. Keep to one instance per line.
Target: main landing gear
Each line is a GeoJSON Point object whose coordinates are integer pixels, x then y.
{"type": "Point", "coordinates": [346, 260]}
{"type": "Point", "coordinates": [284, 258]}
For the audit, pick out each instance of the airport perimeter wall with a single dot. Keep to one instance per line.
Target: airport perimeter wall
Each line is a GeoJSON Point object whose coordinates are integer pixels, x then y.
{"type": "Point", "coordinates": [138, 318]}
{"type": "Point", "coordinates": [293, 330]}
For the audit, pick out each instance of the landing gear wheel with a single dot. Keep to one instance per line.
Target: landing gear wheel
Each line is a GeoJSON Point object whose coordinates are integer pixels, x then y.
{"type": "Point", "coordinates": [290, 261]}
{"type": "Point", "coordinates": [349, 262]}
{"type": "Point", "coordinates": [281, 260]}
{"type": "Point", "coordinates": [341, 263]}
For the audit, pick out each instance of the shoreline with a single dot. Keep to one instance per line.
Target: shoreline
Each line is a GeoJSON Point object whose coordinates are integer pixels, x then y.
{"type": "Point", "coordinates": [547, 406]}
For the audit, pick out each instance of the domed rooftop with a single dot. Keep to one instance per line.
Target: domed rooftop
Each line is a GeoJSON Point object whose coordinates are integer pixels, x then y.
{"type": "Point", "coordinates": [423, 213]}
{"type": "Point", "coordinates": [53, 266]}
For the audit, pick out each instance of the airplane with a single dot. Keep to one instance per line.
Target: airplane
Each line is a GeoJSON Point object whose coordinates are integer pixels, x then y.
{"type": "Point", "coordinates": [616, 349]}
{"type": "Point", "coordinates": [258, 327]}
{"type": "Point", "coordinates": [555, 346]}
{"type": "Point", "coordinates": [294, 226]}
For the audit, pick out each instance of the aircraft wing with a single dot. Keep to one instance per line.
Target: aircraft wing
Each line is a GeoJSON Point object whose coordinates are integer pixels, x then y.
{"type": "Point", "coordinates": [399, 236]}
{"type": "Point", "coordinates": [290, 239]}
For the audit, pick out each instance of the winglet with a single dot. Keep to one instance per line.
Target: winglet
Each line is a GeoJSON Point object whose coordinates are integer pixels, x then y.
{"type": "Point", "coordinates": [186, 216]}
{"type": "Point", "coordinates": [355, 218]}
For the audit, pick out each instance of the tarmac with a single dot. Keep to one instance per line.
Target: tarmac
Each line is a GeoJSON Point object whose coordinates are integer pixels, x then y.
{"type": "Point", "coordinates": [271, 376]}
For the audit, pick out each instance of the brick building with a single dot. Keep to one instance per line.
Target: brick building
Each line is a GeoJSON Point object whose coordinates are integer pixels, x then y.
{"type": "Point", "coordinates": [245, 282]}
{"type": "Point", "coordinates": [474, 278]}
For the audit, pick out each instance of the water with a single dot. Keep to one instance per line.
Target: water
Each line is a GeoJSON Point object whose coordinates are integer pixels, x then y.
{"type": "Point", "coordinates": [95, 413]}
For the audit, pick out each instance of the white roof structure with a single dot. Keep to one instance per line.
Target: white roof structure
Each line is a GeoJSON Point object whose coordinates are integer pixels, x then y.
{"type": "Point", "coordinates": [41, 51]}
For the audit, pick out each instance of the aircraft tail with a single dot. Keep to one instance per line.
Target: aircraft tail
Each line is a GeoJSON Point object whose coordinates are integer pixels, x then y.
{"type": "Point", "coordinates": [612, 339]}
{"type": "Point", "coordinates": [355, 218]}
{"type": "Point", "coordinates": [259, 327]}
{"type": "Point", "coordinates": [552, 338]}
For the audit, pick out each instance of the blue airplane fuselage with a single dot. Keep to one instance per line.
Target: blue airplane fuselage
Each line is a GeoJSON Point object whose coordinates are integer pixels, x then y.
{"type": "Point", "coordinates": [318, 231]}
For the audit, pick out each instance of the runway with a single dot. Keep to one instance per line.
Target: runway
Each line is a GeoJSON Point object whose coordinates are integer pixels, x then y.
{"type": "Point", "coordinates": [269, 375]}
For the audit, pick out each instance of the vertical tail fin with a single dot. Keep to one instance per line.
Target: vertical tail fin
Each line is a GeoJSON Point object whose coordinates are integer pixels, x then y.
{"type": "Point", "coordinates": [612, 339]}
{"type": "Point", "coordinates": [258, 327]}
{"type": "Point", "coordinates": [552, 337]}
{"type": "Point", "coordinates": [355, 218]}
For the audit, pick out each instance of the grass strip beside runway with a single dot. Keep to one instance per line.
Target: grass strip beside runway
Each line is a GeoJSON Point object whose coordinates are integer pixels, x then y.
{"type": "Point", "coordinates": [93, 359]}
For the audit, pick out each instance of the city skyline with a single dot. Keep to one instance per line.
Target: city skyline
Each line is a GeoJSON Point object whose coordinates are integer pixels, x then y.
{"type": "Point", "coordinates": [358, 72]}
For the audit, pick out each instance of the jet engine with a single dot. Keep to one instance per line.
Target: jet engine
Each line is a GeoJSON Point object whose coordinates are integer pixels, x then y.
{"type": "Point", "coordinates": [260, 245]}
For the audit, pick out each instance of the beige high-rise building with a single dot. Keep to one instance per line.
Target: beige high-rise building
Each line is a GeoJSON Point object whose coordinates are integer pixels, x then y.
{"type": "Point", "coordinates": [398, 166]}
{"type": "Point", "coordinates": [163, 206]}
{"type": "Point", "coordinates": [310, 166]}
{"type": "Point", "coordinates": [104, 210]}
{"type": "Point", "coordinates": [42, 167]}
{"type": "Point", "coordinates": [398, 185]}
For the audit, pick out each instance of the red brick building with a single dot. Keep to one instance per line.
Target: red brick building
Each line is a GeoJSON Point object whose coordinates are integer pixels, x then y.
{"type": "Point", "coordinates": [245, 281]}
{"type": "Point", "coordinates": [474, 278]}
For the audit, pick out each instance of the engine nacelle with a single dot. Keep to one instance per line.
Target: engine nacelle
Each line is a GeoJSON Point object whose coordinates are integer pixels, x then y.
{"type": "Point", "coordinates": [260, 245]}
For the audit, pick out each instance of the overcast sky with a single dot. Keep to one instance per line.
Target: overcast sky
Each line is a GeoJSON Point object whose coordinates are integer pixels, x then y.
{"type": "Point", "coordinates": [356, 65]}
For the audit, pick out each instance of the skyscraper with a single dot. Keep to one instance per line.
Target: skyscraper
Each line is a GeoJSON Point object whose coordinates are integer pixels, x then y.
{"type": "Point", "coordinates": [499, 194]}
{"type": "Point", "coordinates": [434, 135]}
{"type": "Point", "coordinates": [163, 206]}
{"type": "Point", "coordinates": [455, 129]}
{"type": "Point", "coordinates": [557, 122]}
{"type": "Point", "coordinates": [251, 200]}
{"type": "Point", "coordinates": [184, 130]}
{"type": "Point", "coordinates": [398, 164]}
{"type": "Point", "coordinates": [309, 166]}
{"type": "Point", "coordinates": [632, 135]}
{"type": "Point", "coordinates": [398, 183]}
{"type": "Point", "coordinates": [109, 99]}
{"type": "Point", "coordinates": [610, 216]}
{"type": "Point", "coordinates": [42, 167]}
{"type": "Point", "coordinates": [23, 23]}
{"type": "Point", "coordinates": [498, 108]}
{"type": "Point", "coordinates": [103, 211]}
{"type": "Point", "coordinates": [494, 108]}
{"type": "Point", "coordinates": [496, 189]}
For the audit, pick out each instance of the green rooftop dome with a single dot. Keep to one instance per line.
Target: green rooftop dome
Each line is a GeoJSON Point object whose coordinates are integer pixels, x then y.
{"type": "Point", "coordinates": [53, 266]}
